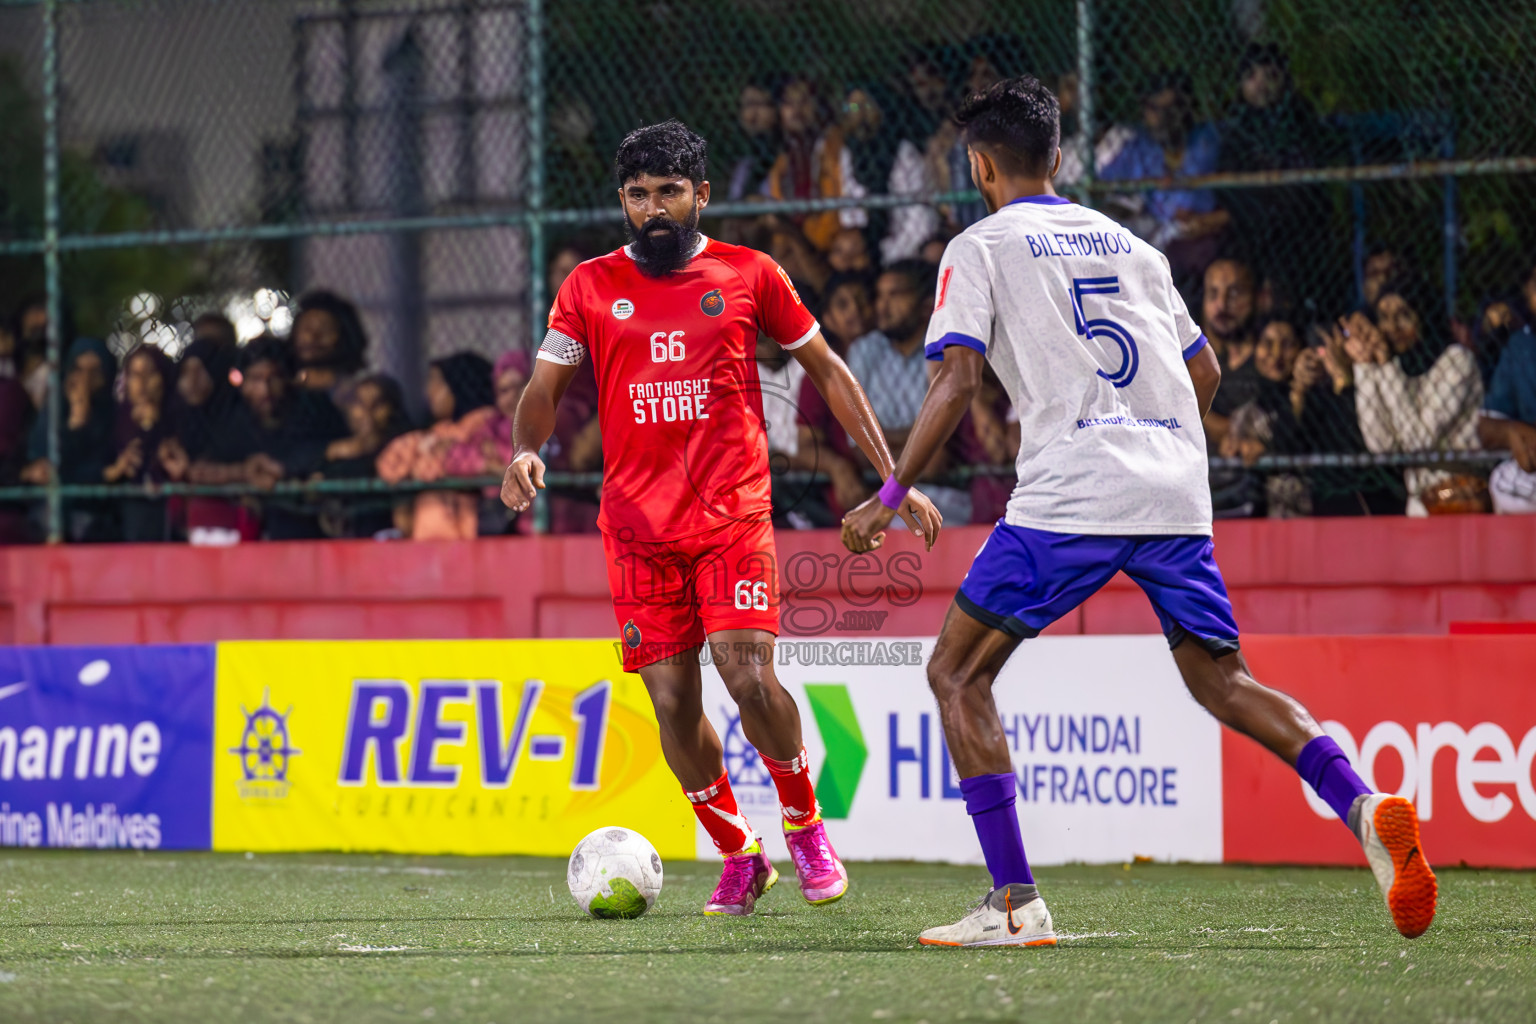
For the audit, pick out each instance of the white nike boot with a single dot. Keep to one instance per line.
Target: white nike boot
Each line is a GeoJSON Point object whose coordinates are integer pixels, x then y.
{"type": "Point", "coordinates": [1388, 827]}
{"type": "Point", "coordinates": [1014, 915]}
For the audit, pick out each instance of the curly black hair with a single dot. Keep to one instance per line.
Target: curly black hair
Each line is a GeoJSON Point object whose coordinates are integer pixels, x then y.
{"type": "Point", "coordinates": [266, 349]}
{"type": "Point", "coordinates": [352, 343]}
{"type": "Point", "coordinates": [669, 149]}
{"type": "Point", "coordinates": [1018, 119]}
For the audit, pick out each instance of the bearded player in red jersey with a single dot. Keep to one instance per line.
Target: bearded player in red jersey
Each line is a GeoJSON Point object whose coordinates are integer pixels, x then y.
{"type": "Point", "coordinates": [671, 324]}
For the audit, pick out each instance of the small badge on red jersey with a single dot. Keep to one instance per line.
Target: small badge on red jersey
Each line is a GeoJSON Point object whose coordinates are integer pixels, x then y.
{"type": "Point", "coordinates": [943, 288]}
{"type": "Point", "coordinates": [789, 284]}
{"type": "Point", "coordinates": [631, 635]}
{"type": "Point", "coordinates": [713, 303]}
{"type": "Point", "coordinates": [623, 309]}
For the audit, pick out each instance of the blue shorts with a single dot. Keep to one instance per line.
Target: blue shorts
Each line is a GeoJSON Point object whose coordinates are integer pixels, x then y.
{"type": "Point", "coordinates": [1023, 580]}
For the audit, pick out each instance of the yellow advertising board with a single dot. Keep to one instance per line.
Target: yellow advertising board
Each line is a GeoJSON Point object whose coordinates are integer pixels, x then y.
{"type": "Point", "coordinates": [477, 747]}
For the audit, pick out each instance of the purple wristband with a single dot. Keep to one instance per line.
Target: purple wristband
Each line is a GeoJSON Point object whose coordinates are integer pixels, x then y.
{"type": "Point", "coordinates": [892, 493]}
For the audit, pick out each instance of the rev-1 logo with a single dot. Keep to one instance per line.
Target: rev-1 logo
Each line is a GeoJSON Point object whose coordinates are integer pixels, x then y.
{"type": "Point", "coordinates": [816, 586]}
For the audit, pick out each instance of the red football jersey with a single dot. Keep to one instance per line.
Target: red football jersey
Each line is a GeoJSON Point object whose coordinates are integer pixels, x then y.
{"type": "Point", "coordinates": [680, 406]}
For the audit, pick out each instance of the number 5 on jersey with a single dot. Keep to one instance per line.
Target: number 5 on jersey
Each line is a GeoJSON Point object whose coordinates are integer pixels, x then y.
{"type": "Point", "coordinates": [1093, 329]}
{"type": "Point", "coordinates": [667, 348]}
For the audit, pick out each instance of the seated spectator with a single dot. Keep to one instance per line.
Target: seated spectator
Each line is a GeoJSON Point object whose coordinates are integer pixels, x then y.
{"type": "Point", "coordinates": [949, 164]}
{"type": "Point", "coordinates": [1497, 321]}
{"type": "Point", "coordinates": [216, 329]}
{"type": "Point", "coordinates": [29, 361]}
{"type": "Point", "coordinates": [277, 432]}
{"type": "Point", "coordinates": [1272, 127]}
{"type": "Point", "coordinates": [987, 438]}
{"type": "Point", "coordinates": [780, 379]}
{"type": "Point", "coordinates": [567, 258]}
{"type": "Point", "coordinates": [329, 342]}
{"type": "Point", "coordinates": [1323, 403]}
{"type": "Point", "coordinates": [85, 439]}
{"type": "Point", "coordinates": [824, 446]}
{"type": "Point", "coordinates": [1501, 318]}
{"type": "Point", "coordinates": [486, 448]}
{"type": "Point", "coordinates": [1412, 393]}
{"type": "Point", "coordinates": [757, 146]}
{"type": "Point", "coordinates": [1382, 264]}
{"type": "Point", "coordinates": [460, 398]}
{"type": "Point", "coordinates": [845, 311]}
{"type": "Point", "coordinates": [1508, 421]}
{"type": "Point", "coordinates": [15, 421]}
{"type": "Point", "coordinates": [913, 122]}
{"type": "Point", "coordinates": [374, 407]}
{"type": "Point", "coordinates": [1239, 494]}
{"type": "Point", "coordinates": [804, 169]}
{"type": "Point", "coordinates": [891, 365]}
{"type": "Point", "coordinates": [1186, 224]}
{"type": "Point", "coordinates": [575, 447]}
{"type": "Point", "coordinates": [1111, 138]}
{"type": "Point", "coordinates": [932, 251]}
{"type": "Point", "coordinates": [870, 142]}
{"type": "Point", "coordinates": [1275, 356]}
{"type": "Point", "coordinates": [144, 431]}
{"type": "Point", "coordinates": [8, 353]}
{"type": "Point", "coordinates": [849, 253]}
{"type": "Point", "coordinates": [204, 400]}
{"type": "Point", "coordinates": [803, 262]}
{"type": "Point", "coordinates": [1226, 317]}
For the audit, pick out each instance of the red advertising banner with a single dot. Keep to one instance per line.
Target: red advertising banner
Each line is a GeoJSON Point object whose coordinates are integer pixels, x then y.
{"type": "Point", "coordinates": [1449, 722]}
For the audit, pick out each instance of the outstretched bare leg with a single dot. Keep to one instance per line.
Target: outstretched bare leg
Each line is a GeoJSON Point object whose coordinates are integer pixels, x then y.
{"type": "Point", "coordinates": [1226, 689]}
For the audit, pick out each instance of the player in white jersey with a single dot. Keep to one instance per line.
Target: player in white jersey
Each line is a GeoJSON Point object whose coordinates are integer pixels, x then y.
{"type": "Point", "coordinates": [1110, 379]}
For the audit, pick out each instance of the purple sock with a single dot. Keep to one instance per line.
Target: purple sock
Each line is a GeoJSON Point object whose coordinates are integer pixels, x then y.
{"type": "Point", "coordinates": [1324, 767]}
{"type": "Point", "coordinates": [990, 801]}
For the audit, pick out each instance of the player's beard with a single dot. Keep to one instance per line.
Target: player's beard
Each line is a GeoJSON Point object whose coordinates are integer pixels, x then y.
{"type": "Point", "coordinates": [665, 252]}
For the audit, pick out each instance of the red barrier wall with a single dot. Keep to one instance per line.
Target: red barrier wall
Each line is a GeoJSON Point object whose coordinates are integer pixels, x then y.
{"type": "Point", "coordinates": [1449, 722]}
{"type": "Point", "coordinates": [1316, 576]}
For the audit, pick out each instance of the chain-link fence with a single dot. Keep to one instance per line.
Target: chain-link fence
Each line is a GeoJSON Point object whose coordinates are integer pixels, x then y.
{"type": "Point", "coordinates": [1342, 191]}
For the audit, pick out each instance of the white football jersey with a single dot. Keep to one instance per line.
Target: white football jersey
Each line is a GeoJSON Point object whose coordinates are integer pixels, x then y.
{"type": "Point", "coordinates": [1082, 324]}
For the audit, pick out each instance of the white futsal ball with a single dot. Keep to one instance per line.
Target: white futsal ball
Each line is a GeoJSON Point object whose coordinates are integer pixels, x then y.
{"type": "Point", "coordinates": [614, 872]}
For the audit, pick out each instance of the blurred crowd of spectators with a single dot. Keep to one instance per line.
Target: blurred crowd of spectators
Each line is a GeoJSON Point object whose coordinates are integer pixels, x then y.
{"type": "Point", "coordinates": [300, 409]}
{"type": "Point", "coordinates": [1317, 359]}
{"type": "Point", "coordinates": [1310, 366]}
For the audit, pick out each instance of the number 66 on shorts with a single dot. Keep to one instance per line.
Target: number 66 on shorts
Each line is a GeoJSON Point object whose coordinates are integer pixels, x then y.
{"type": "Point", "coordinates": [751, 595]}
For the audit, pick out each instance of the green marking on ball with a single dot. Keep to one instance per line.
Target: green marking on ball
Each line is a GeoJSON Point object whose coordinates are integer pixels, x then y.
{"type": "Point", "coordinates": [625, 902]}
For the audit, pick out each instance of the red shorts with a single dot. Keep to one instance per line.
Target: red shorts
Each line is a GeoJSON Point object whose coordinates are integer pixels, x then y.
{"type": "Point", "coordinates": [669, 595]}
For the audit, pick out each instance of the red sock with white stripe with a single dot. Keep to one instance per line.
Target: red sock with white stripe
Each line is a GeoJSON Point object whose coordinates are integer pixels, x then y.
{"type": "Point", "coordinates": [716, 808]}
{"type": "Point", "coordinates": [797, 797]}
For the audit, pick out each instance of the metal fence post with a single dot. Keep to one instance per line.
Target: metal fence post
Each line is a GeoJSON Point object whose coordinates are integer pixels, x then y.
{"type": "Point", "coordinates": [537, 242]}
{"type": "Point", "coordinates": [536, 235]}
{"type": "Point", "coordinates": [51, 275]}
{"type": "Point", "coordinates": [1085, 99]}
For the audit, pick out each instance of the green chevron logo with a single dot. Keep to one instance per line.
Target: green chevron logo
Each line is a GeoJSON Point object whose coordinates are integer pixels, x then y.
{"type": "Point", "coordinates": [844, 741]}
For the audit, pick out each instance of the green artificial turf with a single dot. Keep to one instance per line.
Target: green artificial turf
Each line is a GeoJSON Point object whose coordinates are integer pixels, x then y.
{"type": "Point", "coordinates": [238, 939]}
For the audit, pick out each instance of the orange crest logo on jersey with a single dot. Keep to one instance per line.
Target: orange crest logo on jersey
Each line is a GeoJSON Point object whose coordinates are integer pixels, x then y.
{"type": "Point", "coordinates": [713, 303]}
{"type": "Point", "coordinates": [631, 635]}
{"type": "Point", "coordinates": [789, 284]}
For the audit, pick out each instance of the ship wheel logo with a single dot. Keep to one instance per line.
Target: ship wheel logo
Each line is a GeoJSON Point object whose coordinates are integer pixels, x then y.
{"type": "Point", "coordinates": [743, 764]}
{"type": "Point", "coordinates": [264, 749]}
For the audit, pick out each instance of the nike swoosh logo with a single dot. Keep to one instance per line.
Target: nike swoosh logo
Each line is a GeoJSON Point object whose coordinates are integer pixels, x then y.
{"type": "Point", "coordinates": [1013, 929]}
{"type": "Point", "coordinates": [12, 690]}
